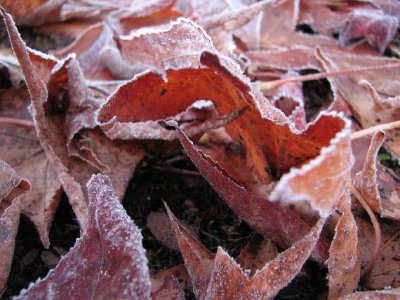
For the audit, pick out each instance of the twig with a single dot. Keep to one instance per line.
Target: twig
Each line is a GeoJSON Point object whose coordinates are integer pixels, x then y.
{"type": "Point", "coordinates": [276, 83]}
{"type": "Point", "coordinates": [377, 229]}
{"type": "Point", "coordinates": [16, 122]}
{"type": "Point", "coordinates": [373, 129]}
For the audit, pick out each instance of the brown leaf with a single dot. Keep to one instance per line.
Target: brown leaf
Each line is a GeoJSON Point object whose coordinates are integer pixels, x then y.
{"type": "Point", "coordinates": [107, 262]}
{"type": "Point", "coordinates": [170, 290]}
{"type": "Point", "coordinates": [271, 220]}
{"type": "Point", "coordinates": [371, 179]}
{"type": "Point", "coordinates": [374, 26]}
{"type": "Point", "coordinates": [386, 269]}
{"type": "Point", "coordinates": [361, 90]}
{"type": "Point", "coordinates": [386, 294]}
{"type": "Point", "coordinates": [344, 261]}
{"type": "Point", "coordinates": [21, 149]}
{"type": "Point", "coordinates": [256, 254]}
{"type": "Point", "coordinates": [12, 188]}
{"type": "Point", "coordinates": [60, 116]}
{"type": "Point", "coordinates": [198, 260]}
{"type": "Point", "coordinates": [228, 281]}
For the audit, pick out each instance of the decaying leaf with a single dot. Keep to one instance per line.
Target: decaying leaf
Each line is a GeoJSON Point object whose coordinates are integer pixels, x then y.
{"type": "Point", "coordinates": [21, 149]}
{"type": "Point", "coordinates": [376, 187]}
{"type": "Point", "coordinates": [12, 189]}
{"type": "Point", "coordinates": [107, 262]}
{"type": "Point", "coordinates": [59, 115]}
{"type": "Point", "coordinates": [344, 261]}
{"type": "Point", "coordinates": [223, 278]}
{"type": "Point", "coordinates": [386, 294]}
{"type": "Point", "coordinates": [386, 269]}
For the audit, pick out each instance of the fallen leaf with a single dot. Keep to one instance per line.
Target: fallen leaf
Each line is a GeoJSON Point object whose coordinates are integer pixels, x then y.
{"type": "Point", "coordinates": [344, 261]}
{"type": "Point", "coordinates": [225, 278]}
{"type": "Point", "coordinates": [386, 269]}
{"type": "Point", "coordinates": [107, 262]}
{"type": "Point", "coordinates": [170, 290]}
{"type": "Point", "coordinates": [353, 89]}
{"type": "Point", "coordinates": [374, 26]}
{"type": "Point", "coordinates": [12, 189]}
{"type": "Point", "coordinates": [21, 149]}
{"type": "Point", "coordinates": [377, 188]}
{"type": "Point", "coordinates": [386, 294]}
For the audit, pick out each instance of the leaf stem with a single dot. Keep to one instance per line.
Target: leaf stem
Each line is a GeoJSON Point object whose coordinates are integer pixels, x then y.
{"type": "Point", "coordinates": [371, 130]}
{"type": "Point", "coordinates": [16, 122]}
{"type": "Point", "coordinates": [377, 229]}
{"type": "Point", "coordinates": [276, 83]}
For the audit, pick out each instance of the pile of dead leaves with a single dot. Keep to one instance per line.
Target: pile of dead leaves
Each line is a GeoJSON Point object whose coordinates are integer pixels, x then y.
{"type": "Point", "coordinates": [225, 80]}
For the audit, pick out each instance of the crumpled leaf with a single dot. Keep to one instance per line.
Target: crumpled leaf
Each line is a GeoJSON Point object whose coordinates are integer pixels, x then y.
{"type": "Point", "coordinates": [377, 188]}
{"type": "Point", "coordinates": [221, 27]}
{"type": "Point", "coordinates": [366, 91]}
{"type": "Point", "coordinates": [12, 189]}
{"type": "Point", "coordinates": [104, 56]}
{"type": "Point", "coordinates": [269, 219]}
{"type": "Point", "coordinates": [21, 149]}
{"type": "Point", "coordinates": [377, 28]}
{"type": "Point", "coordinates": [59, 117]}
{"type": "Point", "coordinates": [107, 262]}
{"type": "Point", "coordinates": [344, 261]}
{"type": "Point", "coordinates": [226, 280]}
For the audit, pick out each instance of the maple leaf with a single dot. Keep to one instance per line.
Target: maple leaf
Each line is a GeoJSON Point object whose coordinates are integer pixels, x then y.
{"type": "Point", "coordinates": [107, 262]}
{"type": "Point", "coordinates": [12, 189]}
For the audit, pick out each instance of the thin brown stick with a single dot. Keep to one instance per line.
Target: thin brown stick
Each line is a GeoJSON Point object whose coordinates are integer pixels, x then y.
{"type": "Point", "coordinates": [378, 233]}
{"type": "Point", "coordinates": [373, 129]}
{"type": "Point", "coordinates": [276, 83]}
{"type": "Point", "coordinates": [16, 122]}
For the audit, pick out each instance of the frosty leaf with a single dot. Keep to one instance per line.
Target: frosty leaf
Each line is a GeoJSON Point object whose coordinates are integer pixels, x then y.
{"type": "Point", "coordinates": [58, 120]}
{"type": "Point", "coordinates": [12, 188]}
{"type": "Point", "coordinates": [323, 181]}
{"type": "Point", "coordinates": [198, 260]}
{"type": "Point", "coordinates": [39, 95]}
{"type": "Point", "coordinates": [160, 280]}
{"type": "Point", "coordinates": [228, 281]}
{"type": "Point", "coordinates": [221, 26]}
{"type": "Point", "coordinates": [387, 266]}
{"type": "Point", "coordinates": [21, 149]}
{"type": "Point", "coordinates": [386, 294]}
{"type": "Point", "coordinates": [170, 290]}
{"type": "Point", "coordinates": [289, 99]}
{"type": "Point", "coordinates": [371, 178]}
{"type": "Point", "coordinates": [269, 219]}
{"type": "Point", "coordinates": [344, 261]}
{"type": "Point", "coordinates": [352, 87]}
{"type": "Point", "coordinates": [377, 28]}
{"type": "Point", "coordinates": [256, 253]}
{"type": "Point", "coordinates": [107, 262]}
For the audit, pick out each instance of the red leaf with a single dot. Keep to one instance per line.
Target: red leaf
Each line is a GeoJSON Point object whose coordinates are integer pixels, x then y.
{"type": "Point", "coordinates": [107, 262]}
{"type": "Point", "coordinates": [271, 220]}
